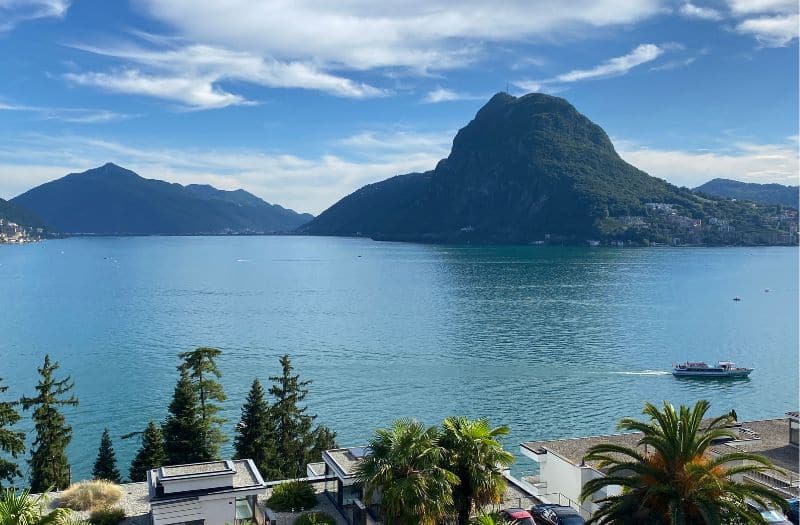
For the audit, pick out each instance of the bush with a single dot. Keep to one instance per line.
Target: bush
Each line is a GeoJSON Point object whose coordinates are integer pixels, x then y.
{"type": "Point", "coordinates": [90, 495]}
{"type": "Point", "coordinates": [107, 516]}
{"type": "Point", "coordinates": [315, 518]}
{"type": "Point", "coordinates": [292, 495]}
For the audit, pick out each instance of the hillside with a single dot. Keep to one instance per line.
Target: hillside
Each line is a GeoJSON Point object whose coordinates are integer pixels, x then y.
{"type": "Point", "coordinates": [111, 200]}
{"type": "Point", "coordinates": [19, 215]}
{"type": "Point", "coordinates": [761, 193]}
{"type": "Point", "coordinates": [533, 169]}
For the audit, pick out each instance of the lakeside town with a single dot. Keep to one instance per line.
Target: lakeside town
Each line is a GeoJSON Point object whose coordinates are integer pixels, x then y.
{"type": "Point", "coordinates": [689, 459]}
{"type": "Point", "coordinates": [13, 233]}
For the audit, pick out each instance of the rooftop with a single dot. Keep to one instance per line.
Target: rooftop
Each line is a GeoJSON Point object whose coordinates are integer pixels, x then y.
{"type": "Point", "coordinates": [245, 476]}
{"type": "Point", "coordinates": [347, 460]}
{"type": "Point", "coordinates": [211, 467]}
{"type": "Point", "coordinates": [769, 437]}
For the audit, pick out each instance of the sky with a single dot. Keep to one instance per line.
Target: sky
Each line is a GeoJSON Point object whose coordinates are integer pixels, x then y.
{"type": "Point", "coordinates": [303, 102]}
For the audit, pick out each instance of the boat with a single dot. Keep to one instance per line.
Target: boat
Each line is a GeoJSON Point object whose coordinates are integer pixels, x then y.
{"type": "Point", "coordinates": [723, 369]}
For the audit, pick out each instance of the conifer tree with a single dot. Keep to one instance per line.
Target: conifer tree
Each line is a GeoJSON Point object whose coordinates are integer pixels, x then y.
{"type": "Point", "coordinates": [183, 439]}
{"type": "Point", "coordinates": [12, 442]}
{"type": "Point", "coordinates": [105, 466]}
{"type": "Point", "coordinates": [150, 455]}
{"type": "Point", "coordinates": [49, 464]}
{"type": "Point", "coordinates": [255, 435]}
{"type": "Point", "coordinates": [202, 368]}
{"type": "Point", "coordinates": [295, 442]}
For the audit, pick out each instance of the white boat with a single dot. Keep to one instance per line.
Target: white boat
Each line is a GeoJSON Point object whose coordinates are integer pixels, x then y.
{"type": "Point", "coordinates": [723, 369]}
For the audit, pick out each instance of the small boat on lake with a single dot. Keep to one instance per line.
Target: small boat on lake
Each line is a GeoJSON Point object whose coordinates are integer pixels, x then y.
{"type": "Point", "coordinates": [723, 369]}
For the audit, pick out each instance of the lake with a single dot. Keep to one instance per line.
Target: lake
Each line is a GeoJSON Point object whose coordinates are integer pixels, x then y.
{"type": "Point", "coordinates": [553, 342]}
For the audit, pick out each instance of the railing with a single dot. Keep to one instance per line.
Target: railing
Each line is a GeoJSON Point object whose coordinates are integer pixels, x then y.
{"type": "Point", "coordinates": [788, 488]}
{"type": "Point", "coordinates": [584, 510]}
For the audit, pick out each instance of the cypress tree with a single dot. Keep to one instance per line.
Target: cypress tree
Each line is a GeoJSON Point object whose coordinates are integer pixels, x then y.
{"type": "Point", "coordinates": [202, 368]}
{"type": "Point", "coordinates": [182, 435]}
{"type": "Point", "coordinates": [12, 442]}
{"type": "Point", "coordinates": [255, 436]}
{"type": "Point", "coordinates": [49, 464]}
{"type": "Point", "coordinates": [150, 455]}
{"type": "Point", "coordinates": [105, 466]}
{"type": "Point", "coordinates": [295, 442]}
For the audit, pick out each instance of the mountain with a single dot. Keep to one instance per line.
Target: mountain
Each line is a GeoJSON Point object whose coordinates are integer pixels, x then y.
{"type": "Point", "coordinates": [531, 169]}
{"type": "Point", "coordinates": [111, 200]}
{"type": "Point", "coordinates": [750, 191]}
{"type": "Point", "coordinates": [16, 214]}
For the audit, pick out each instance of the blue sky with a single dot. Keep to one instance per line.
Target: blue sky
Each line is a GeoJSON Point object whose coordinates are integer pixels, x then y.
{"type": "Point", "coordinates": [303, 102]}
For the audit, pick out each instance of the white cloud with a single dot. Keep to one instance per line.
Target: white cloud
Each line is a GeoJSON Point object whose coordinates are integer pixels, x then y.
{"type": "Point", "coordinates": [191, 74]}
{"type": "Point", "coordinates": [447, 95]}
{"type": "Point", "coordinates": [304, 183]}
{"type": "Point", "coordinates": [617, 66]}
{"type": "Point", "coordinates": [774, 23]}
{"type": "Point", "coordinates": [74, 115]}
{"type": "Point", "coordinates": [743, 161]}
{"type": "Point", "coordinates": [690, 10]}
{"type": "Point", "coordinates": [362, 34]}
{"type": "Point", "coordinates": [13, 12]}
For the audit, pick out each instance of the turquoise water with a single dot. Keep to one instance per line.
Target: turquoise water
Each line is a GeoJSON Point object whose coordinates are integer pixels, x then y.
{"type": "Point", "coordinates": [553, 342]}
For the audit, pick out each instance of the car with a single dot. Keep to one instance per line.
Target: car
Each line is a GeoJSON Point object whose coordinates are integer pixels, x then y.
{"type": "Point", "coordinates": [550, 514]}
{"type": "Point", "coordinates": [771, 516]}
{"type": "Point", "coordinates": [794, 511]}
{"type": "Point", "coordinates": [518, 516]}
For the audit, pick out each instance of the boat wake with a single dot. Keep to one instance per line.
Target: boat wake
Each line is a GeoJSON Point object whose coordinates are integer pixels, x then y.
{"type": "Point", "coordinates": [645, 373]}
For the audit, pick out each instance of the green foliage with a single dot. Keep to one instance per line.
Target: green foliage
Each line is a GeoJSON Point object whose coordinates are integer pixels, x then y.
{"type": "Point", "coordinates": [761, 193]}
{"type": "Point", "coordinates": [474, 454]}
{"type": "Point", "coordinates": [105, 466]}
{"type": "Point", "coordinates": [315, 518]}
{"type": "Point", "coordinates": [151, 454]}
{"type": "Point", "coordinates": [12, 442]}
{"type": "Point", "coordinates": [405, 468]}
{"type": "Point", "coordinates": [678, 482]}
{"type": "Point", "coordinates": [107, 516]}
{"type": "Point", "coordinates": [292, 496]}
{"type": "Point", "coordinates": [19, 508]}
{"type": "Point", "coordinates": [296, 444]}
{"type": "Point", "coordinates": [48, 463]}
{"type": "Point", "coordinates": [183, 438]}
{"type": "Point", "coordinates": [200, 364]}
{"type": "Point", "coordinates": [255, 433]}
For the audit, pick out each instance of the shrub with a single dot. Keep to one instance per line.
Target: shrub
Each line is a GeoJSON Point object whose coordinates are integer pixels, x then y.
{"type": "Point", "coordinates": [315, 518]}
{"type": "Point", "coordinates": [292, 495]}
{"type": "Point", "coordinates": [90, 495]}
{"type": "Point", "coordinates": [107, 516]}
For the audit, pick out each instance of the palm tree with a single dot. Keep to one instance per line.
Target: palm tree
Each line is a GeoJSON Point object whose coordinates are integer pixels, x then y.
{"type": "Point", "coordinates": [678, 481]}
{"type": "Point", "coordinates": [22, 509]}
{"type": "Point", "coordinates": [473, 453]}
{"type": "Point", "coordinates": [405, 469]}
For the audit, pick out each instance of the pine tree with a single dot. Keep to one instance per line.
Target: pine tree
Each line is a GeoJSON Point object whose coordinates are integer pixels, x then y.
{"type": "Point", "coordinates": [150, 455]}
{"type": "Point", "coordinates": [12, 442]}
{"type": "Point", "coordinates": [255, 436]}
{"type": "Point", "coordinates": [202, 368]}
{"type": "Point", "coordinates": [105, 466]}
{"type": "Point", "coordinates": [295, 442]}
{"type": "Point", "coordinates": [48, 463]}
{"type": "Point", "coordinates": [183, 439]}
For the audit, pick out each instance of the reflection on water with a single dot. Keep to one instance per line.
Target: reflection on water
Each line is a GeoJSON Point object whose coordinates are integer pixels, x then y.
{"type": "Point", "coordinates": [554, 342]}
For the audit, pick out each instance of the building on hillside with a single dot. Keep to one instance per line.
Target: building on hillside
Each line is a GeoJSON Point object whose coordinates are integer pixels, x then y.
{"type": "Point", "coordinates": [563, 472]}
{"type": "Point", "coordinates": [211, 493]}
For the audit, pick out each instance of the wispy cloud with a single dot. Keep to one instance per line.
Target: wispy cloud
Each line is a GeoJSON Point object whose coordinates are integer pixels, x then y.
{"type": "Point", "coordinates": [74, 115]}
{"type": "Point", "coordinates": [447, 95]}
{"type": "Point", "coordinates": [192, 74]}
{"type": "Point", "coordinates": [305, 183]}
{"type": "Point", "coordinates": [613, 67]}
{"type": "Point", "coordinates": [14, 12]}
{"type": "Point", "coordinates": [690, 10]}
{"type": "Point", "coordinates": [774, 23]}
{"type": "Point", "coordinates": [745, 161]}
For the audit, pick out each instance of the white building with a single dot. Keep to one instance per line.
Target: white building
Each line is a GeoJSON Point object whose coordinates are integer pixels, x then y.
{"type": "Point", "coordinates": [212, 493]}
{"type": "Point", "coordinates": [562, 471]}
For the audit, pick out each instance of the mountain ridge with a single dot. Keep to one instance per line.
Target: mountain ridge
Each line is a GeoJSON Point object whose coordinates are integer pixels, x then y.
{"type": "Point", "coordinates": [111, 200]}
{"type": "Point", "coordinates": [770, 193]}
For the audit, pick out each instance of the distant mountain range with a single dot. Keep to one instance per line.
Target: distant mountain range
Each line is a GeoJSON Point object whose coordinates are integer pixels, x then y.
{"type": "Point", "coordinates": [16, 214]}
{"type": "Point", "coordinates": [533, 169]}
{"type": "Point", "coordinates": [762, 193]}
{"type": "Point", "coordinates": [111, 200]}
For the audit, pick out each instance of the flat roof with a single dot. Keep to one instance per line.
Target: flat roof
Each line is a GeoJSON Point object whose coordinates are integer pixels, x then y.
{"type": "Point", "coordinates": [245, 477]}
{"type": "Point", "coordinates": [768, 437]}
{"type": "Point", "coordinates": [346, 460]}
{"type": "Point", "coordinates": [209, 467]}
